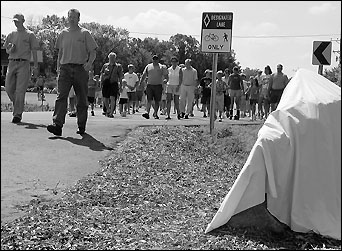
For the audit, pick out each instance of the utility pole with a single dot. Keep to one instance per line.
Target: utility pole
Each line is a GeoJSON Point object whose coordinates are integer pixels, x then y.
{"type": "Point", "coordinates": [337, 51]}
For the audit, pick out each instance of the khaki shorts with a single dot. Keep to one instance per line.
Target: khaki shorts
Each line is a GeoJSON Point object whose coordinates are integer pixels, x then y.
{"type": "Point", "coordinates": [173, 89]}
{"type": "Point", "coordinates": [235, 93]}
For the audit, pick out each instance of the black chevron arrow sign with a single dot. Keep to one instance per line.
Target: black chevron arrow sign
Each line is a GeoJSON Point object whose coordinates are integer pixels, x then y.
{"type": "Point", "coordinates": [322, 53]}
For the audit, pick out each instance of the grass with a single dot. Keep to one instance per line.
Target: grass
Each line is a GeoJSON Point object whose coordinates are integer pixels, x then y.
{"type": "Point", "coordinates": [158, 189]}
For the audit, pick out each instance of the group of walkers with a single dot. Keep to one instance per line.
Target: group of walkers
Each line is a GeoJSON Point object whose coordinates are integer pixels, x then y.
{"type": "Point", "coordinates": [161, 84]}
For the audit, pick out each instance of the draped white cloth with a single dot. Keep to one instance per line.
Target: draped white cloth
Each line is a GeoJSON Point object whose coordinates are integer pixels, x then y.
{"type": "Point", "coordinates": [296, 160]}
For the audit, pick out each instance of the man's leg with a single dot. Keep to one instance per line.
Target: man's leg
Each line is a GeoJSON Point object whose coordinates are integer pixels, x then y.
{"type": "Point", "coordinates": [21, 84]}
{"type": "Point", "coordinates": [168, 103]}
{"type": "Point", "coordinates": [81, 89]}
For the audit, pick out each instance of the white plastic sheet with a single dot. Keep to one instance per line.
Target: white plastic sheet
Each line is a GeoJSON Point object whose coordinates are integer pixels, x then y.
{"type": "Point", "coordinates": [296, 160]}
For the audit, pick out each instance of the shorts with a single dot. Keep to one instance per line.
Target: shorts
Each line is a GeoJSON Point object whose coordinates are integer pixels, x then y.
{"type": "Point", "coordinates": [275, 95]}
{"type": "Point", "coordinates": [98, 94]}
{"type": "Point", "coordinates": [154, 92]}
{"type": "Point", "coordinates": [227, 101]}
{"type": "Point", "coordinates": [139, 95]}
{"type": "Point", "coordinates": [123, 101]}
{"type": "Point", "coordinates": [220, 102]}
{"type": "Point", "coordinates": [172, 89]}
{"type": "Point", "coordinates": [132, 96]}
{"type": "Point", "coordinates": [253, 101]}
{"type": "Point", "coordinates": [109, 89]}
{"type": "Point", "coordinates": [91, 100]}
{"type": "Point", "coordinates": [205, 100]}
{"type": "Point", "coordinates": [235, 93]}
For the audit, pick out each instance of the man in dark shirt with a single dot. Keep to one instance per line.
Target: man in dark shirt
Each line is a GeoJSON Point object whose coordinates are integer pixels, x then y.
{"type": "Point", "coordinates": [236, 89]}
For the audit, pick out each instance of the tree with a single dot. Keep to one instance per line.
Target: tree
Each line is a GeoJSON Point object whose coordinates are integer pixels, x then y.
{"type": "Point", "coordinates": [334, 75]}
{"type": "Point", "coordinates": [250, 72]}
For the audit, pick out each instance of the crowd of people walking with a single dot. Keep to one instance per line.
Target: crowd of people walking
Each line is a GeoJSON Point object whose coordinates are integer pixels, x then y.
{"type": "Point", "coordinates": [156, 87]}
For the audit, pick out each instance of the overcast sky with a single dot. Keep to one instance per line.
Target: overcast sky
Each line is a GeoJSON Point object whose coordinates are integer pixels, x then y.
{"type": "Point", "coordinates": [264, 32]}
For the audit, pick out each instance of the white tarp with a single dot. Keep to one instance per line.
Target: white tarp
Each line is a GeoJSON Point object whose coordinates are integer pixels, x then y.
{"type": "Point", "coordinates": [296, 160]}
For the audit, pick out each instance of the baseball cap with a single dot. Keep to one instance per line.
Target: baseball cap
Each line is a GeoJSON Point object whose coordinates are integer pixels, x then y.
{"type": "Point", "coordinates": [18, 17]}
{"type": "Point", "coordinates": [220, 72]}
{"type": "Point", "coordinates": [130, 66]}
{"type": "Point", "coordinates": [155, 57]}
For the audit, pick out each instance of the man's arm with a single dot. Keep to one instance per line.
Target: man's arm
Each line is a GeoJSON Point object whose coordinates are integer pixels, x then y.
{"type": "Point", "coordinates": [88, 65]}
{"type": "Point", "coordinates": [143, 76]}
{"type": "Point", "coordinates": [180, 77]}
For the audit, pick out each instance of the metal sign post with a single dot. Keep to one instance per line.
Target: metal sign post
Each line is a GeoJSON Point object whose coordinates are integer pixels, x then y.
{"type": "Point", "coordinates": [213, 95]}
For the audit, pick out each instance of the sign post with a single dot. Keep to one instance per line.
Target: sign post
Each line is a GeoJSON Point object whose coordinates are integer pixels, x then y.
{"type": "Point", "coordinates": [213, 94]}
{"type": "Point", "coordinates": [321, 54]}
{"type": "Point", "coordinates": [216, 37]}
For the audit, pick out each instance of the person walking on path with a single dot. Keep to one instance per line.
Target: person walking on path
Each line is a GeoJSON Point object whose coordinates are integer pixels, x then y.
{"type": "Point", "coordinates": [155, 73]}
{"type": "Point", "coordinates": [173, 87]}
{"type": "Point", "coordinates": [220, 90]}
{"type": "Point", "coordinates": [91, 91]}
{"type": "Point", "coordinates": [227, 100]}
{"type": "Point", "coordinates": [111, 76]}
{"type": "Point", "coordinates": [19, 45]}
{"type": "Point", "coordinates": [264, 101]}
{"type": "Point", "coordinates": [132, 82]}
{"type": "Point", "coordinates": [278, 82]}
{"type": "Point", "coordinates": [236, 90]}
{"type": "Point", "coordinates": [76, 54]}
{"type": "Point", "coordinates": [187, 92]}
{"type": "Point", "coordinates": [123, 100]}
{"type": "Point", "coordinates": [205, 84]}
{"type": "Point", "coordinates": [253, 95]}
{"type": "Point", "coordinates": [139, 93]}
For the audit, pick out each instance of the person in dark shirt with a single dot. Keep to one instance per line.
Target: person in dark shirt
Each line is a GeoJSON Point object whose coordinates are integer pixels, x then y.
{"type": "Point", "coordinates": [236, 90]}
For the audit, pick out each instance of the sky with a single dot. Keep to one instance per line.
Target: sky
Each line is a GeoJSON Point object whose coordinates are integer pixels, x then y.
{"type": "Point", "coordinates": [263, 32]}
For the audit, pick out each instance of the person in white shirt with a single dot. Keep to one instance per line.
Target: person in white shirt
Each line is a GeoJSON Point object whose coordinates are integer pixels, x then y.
{"type": "Point", "coordinates": [173, 87]}
{"type": "Point", "coordinates": [187, 93]}
{"type": "Point", "coordinates": [132, 82]}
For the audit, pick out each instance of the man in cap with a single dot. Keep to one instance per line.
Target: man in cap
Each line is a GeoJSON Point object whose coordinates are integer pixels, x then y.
{"type": "Point", "coordinates": [76, 54]}
{"type": "Point", "coordinates": [156, 73]}
{"type": "Point", "coordinates": [20, 44]}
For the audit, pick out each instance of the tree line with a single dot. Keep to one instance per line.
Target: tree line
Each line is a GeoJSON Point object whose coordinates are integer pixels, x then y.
{"type": "Point", "coordinates": [129, 50]}
{"type": "Point", "coordinates": [139, 52]}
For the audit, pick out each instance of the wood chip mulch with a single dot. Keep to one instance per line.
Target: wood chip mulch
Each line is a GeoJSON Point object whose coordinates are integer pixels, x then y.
{"type": "Point", "coordinates": [159, 189]}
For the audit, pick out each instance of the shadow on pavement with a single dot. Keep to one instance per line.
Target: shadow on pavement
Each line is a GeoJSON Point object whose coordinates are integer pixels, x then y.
{"type": "Point", "coordinates": [87, 140]}
{"type": "Point", "coordinates": [30, 125]}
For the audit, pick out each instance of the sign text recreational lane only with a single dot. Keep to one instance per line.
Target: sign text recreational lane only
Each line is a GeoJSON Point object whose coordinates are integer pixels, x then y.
{"type": "Point", "coordinates": [216, 33]}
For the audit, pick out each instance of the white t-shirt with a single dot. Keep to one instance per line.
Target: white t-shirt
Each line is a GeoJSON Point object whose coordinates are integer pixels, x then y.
{"type": "Point", "coordinates": [131, 79]}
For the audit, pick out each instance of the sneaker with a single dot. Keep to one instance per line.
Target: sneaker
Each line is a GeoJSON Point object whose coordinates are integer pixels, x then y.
{"type": "Point", "coordinates": [55, 129]}
{"type": "Point", "coordinates": [16, 120]}
{"type": "Point", "coordinates": [104, 113]}
{"type": "Point", "coordinates": [92, 113]}
{"type": "Point", "coordinates": [204, 116]}
{"type": "Point", "coordinates": [81, 131]}
{"type": "Point", "coordinates": [191, 115]}
{"type": "Point", "coordinates": [182, 114]}
{"type": "Point", "coordinates": [168, 117]}
{"type": "Point", "coordinates": [156, 117]}
{"type": "Point", "coordinates": [72, 114]}
{"type": "Point", "coordinates": [186, 116]}
{"type": "Point", "coordinates": [220, 120]}
{"type": "Point", "coordinates": [146, 115]}
{"type": "Point", "coordinates": [178, 116]}
{"type": "Point", "coordinates": [110, 116]}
